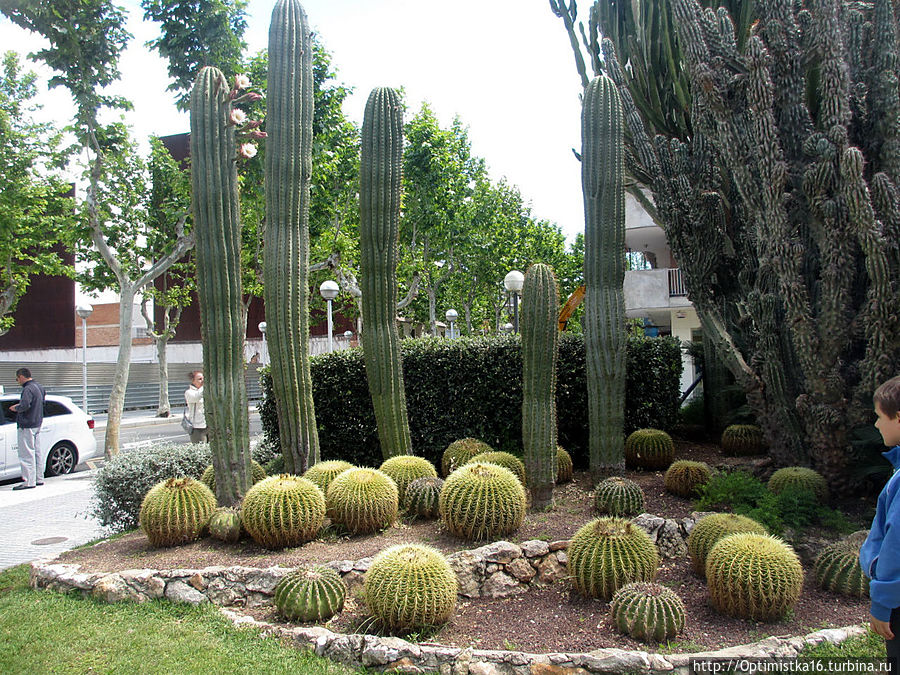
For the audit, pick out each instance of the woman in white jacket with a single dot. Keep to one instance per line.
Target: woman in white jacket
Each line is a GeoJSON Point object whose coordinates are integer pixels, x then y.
{"type": "Point", "coordinates": [195, 414]}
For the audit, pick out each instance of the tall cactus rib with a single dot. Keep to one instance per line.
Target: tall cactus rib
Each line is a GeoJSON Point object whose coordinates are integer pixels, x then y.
{"type": "Point", "coordinates": [379, 211]}
{"type": "Point", "coordinates": [602, 180]}
{"type": "Point", "coordinates": [289, 115]}
{"type": "Point", "coordinates": [217, 226]}
{"type": "Point", "coordinates": [540, 335]}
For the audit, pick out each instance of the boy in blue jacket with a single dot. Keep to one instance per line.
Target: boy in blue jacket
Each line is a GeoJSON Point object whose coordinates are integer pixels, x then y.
{"type": "Point", "coordinates": [880, 554]}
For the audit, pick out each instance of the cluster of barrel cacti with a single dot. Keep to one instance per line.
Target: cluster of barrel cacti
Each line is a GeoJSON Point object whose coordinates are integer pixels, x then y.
{"type": "Point", "coordinates": [459, 452]}
{"type": "Point", "coordinates": [799, 477]}
{"type": "Point", "coordinates": [647, 611]}
{"type": "Point", "coordinates": [363, 500]}
{"type": "Point", "coordinates": [176, 511]}
{"type": "Point", "coordinates": [423, 497]}
{"type": "Point", "coordinates": [409, 587]}
{"type": "Point", "coordinates": [685, 477]}
{"type": "Point", "coordinates": [740, 440]}
{"type": "Point", "coordinates": [649, 449]}
{"type": "Point", "coordinates": [837, 567]}
{"type": "Point", "coordinates": [504, 459]}
{"type": "Point", "coordinates": [753, 576]}
{"type": "Point", "coordinates": [404, 469]}
{"type": "Point", "coordinates": [310, 594]}
{"type": "Point", "coordinates": [710, 529]}
{"type": "Point", "coordinates": [282, 511]}
{"type": "Point", "coordinates": [608, 553]}
{"type": "Point", "coordinates": [619, 496]}
{"type": "Point", "coordinates": [481, 501]}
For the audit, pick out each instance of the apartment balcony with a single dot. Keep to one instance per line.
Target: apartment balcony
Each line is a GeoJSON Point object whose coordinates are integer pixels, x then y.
{"type": "Point", "coordinates": [654, 292]}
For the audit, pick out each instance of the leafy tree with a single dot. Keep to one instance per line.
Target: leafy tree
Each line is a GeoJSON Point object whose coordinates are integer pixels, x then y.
{"type": "Point", "coordinates": [776, 182]}
{"type": "Point", "coordinates": [33, 209]}
{"type": "Point", "coordinates": [438, 171]}
{"type": "Point", "coordinates": [197, 33]}
{"type": "Point", "coordinates": [169, 201]}
{"type": "Point", "coordinates": [86, 38]}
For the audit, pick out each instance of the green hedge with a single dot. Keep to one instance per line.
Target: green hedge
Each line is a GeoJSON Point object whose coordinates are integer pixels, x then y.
{"type": "Point", "coordinates": [473, 387]}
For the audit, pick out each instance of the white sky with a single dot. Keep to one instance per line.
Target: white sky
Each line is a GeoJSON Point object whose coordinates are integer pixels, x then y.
{"type": "Point", "coordinates": [504, 66]}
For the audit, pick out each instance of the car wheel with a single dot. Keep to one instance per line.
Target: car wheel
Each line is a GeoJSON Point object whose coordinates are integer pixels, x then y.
{"type": "Point", "coordinates": [61, 459]}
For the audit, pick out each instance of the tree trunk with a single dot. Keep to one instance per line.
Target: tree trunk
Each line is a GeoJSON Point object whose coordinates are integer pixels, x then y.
{"type": "Point", "coordinates": [123, 366]}
{"type": "Point", "coordinates": [162, 356]}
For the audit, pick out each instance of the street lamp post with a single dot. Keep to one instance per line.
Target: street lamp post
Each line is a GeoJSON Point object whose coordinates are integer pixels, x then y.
{"type": "Point", "coordinates": [452, 316]}
{"type": "Point", "coordinates": [84, 311]}
{"type": "Point", "coordinates": [265, 351]}
{"type": "Point", "coordinates": [329, 290]}
{"type": "Point", "coordinates": [514, 281]}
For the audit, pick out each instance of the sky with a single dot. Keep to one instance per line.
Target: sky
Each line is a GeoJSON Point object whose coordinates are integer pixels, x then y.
{"type": "Point", "coordinates": [505, 67]}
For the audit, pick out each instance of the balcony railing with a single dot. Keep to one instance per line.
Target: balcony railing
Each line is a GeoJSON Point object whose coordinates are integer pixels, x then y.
{"type": "Point", "coordinates": [676, 283]}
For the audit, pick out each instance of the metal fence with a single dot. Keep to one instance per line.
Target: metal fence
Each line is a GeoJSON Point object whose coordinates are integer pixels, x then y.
{"type": "Point", "coordinates": [676, 283]}
{"type": "Point", "coordinates": [65, 379]}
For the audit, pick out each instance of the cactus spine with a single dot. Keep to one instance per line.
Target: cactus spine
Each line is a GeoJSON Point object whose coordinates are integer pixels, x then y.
{"type": "Point", "coordinates": [602, 181]}
{"type": "Point", "coordinates": [540, 335]}
{"type": "Point", "coordinates": [379, 221]}
{"type": "Point", "coordinates": [289, 115]}
{"type": "Point", "coordinates": [217, 228]}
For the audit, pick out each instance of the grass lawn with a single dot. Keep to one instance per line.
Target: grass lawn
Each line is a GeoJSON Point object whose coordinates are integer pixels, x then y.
{"type": "Point", "coordinates": [47, 632]}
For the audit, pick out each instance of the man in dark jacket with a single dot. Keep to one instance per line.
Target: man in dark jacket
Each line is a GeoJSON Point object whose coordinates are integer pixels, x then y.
{"type": "Point", "coordinates": [29, 418]}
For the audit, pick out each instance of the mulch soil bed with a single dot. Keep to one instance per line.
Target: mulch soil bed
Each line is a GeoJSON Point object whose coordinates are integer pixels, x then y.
{"type": "Point", "coordinates": [543, 619]}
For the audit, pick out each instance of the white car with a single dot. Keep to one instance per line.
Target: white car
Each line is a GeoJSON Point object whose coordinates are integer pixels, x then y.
{"type": "Point", "coordinates": [67, 436]}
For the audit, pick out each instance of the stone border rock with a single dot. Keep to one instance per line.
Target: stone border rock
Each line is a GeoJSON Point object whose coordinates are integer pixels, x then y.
{"type": "Point", "coordinates": [496, 570]}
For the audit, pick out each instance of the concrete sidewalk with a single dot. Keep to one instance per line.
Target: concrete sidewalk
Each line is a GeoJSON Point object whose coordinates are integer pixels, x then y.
{"type": "Point", "coordinates": [47, 520]}
{"type": "Point", "coordinates": [54, 517]}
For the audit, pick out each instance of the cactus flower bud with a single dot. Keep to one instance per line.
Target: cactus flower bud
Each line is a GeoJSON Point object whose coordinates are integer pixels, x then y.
{"type": "Point", "coordinates": [258, 134]}
{"type": "Point", "coordinates": [252, 124]}
{"type": "Point", "coordinates": [253, 96]}
{"type": "Point", "coordinates": [237, 117]}
{"type": "Point", "coordinates": [247, 151]}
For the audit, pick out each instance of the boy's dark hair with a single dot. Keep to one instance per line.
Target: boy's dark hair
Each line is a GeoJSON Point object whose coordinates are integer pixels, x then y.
{"type": "Point", "coordinates": [887, 397]}
{"type": "Point", "coordinates": [24, 372]}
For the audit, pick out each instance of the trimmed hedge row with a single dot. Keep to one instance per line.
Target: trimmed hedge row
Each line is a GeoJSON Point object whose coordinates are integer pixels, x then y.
{"type": "Point", "coordinates": [473, 387]}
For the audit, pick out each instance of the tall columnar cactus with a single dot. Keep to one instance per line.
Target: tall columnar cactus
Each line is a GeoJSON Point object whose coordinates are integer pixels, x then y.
{"type": "Point", "coordinates": [217, 227]}
{"type": "Point", "coordinates": [289, 115]}
{"type": "Point", "coordinates": [379, 222]}
{"type": "Point", "coordinates": [602, 182]}
{"type": "Point", "coordinates": [540, 335]}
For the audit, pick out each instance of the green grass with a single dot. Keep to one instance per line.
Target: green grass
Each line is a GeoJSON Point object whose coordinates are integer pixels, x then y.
{"type": "Point", "coordinates": [868, 645]}
{"type": "Point", "coordinates": [49, 632]}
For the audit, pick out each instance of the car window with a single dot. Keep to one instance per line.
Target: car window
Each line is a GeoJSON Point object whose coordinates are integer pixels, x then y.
{"type": "Point", "coordinates": [8, 415]}
{"type": "Point", "coordinates": [52, 409]}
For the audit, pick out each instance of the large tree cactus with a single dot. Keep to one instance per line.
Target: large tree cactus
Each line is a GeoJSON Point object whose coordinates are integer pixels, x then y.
{"type": "Point", "coordinates": [289, 115]}
{"type": "Point", "coordinates": [217, 227]}
{"type": "Point", "coordinates": [602, 182]}
{"type": "Point", "coordinates": [379, 209]}
{"type": "Point", "coordinates": [540, 335]}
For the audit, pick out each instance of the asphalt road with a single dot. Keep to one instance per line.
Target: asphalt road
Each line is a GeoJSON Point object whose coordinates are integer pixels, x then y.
{"type": "Point", "coordinates": [158, 431]}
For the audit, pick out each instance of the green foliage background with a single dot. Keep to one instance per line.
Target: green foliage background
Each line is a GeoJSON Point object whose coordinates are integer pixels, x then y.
{"type": "Point", "coordinates": [473, 387]}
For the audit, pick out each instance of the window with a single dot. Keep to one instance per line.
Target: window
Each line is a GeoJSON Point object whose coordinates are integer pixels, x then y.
{"type": "Point", "coordinates": [8, 416]}
{"type": "Point", "coordinates": [54, 409]}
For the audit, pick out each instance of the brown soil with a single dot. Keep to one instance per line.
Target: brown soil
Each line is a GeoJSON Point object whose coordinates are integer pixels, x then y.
{"type": "Point", "coordinates": [550, 618]}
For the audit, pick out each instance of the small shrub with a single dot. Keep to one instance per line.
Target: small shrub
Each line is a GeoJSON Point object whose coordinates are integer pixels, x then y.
{"type": "Point", "coordinates": [733, 490]}
{"type": "Point", "coordinates": [122, 482]}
